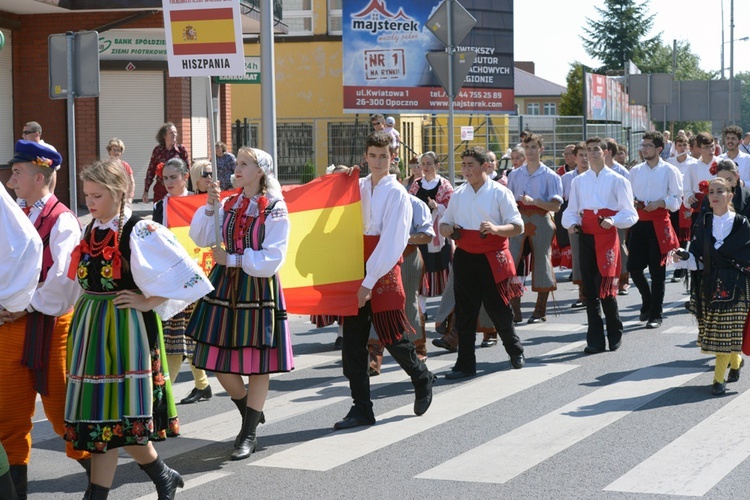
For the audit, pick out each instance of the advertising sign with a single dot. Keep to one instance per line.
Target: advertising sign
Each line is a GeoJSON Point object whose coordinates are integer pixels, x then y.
{"type": "Point", "coordinates": [385, 43]}
{"type": "Point", "coordinates": [204, 38]}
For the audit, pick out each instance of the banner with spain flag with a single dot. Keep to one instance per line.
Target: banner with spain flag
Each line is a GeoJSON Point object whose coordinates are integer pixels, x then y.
{"type": "Point", "coordinates": [325, 258]}
{"type": "Point", "coordinates": [204, 37]}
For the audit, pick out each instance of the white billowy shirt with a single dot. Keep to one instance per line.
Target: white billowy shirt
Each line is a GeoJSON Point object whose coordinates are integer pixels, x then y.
{"type": "Point", "coordinates": [743, 165]}
{"type": "Point", "coordinates": [263, 263]}
{"type": "Point", "coordinates": [609, 189]}
{"type": "Point", "coordinates": [386, 211]}
{"type": "Point", "coordinates": [699, 171]}
{"type": "Point", "coordinates": [21, 249]}
{"type": "Point", "coordinates": [662, 182]}
{"type": "Point", "coordinates": [57, 295]}
{"type": "Point", "coordinates": [161, 266]}
{"type": "Point", "coordinates": [493, 202]}
{"type": "Point", "coordinates": [685, 167]}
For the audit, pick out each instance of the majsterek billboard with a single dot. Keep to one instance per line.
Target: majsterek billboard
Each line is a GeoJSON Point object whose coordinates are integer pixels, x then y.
{"type": "Point", "coordinates": [385, 43]}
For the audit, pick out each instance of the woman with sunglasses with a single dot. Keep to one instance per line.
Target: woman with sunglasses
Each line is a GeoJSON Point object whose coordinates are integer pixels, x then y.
{"type": "Point", "coordinates": [200, 176]}
{"type": "Point", "coordinates": [177, 345]}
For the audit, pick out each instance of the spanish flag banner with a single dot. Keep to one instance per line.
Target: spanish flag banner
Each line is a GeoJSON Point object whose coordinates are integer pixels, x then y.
{"type": "Point", "coordinates": [204, 37]}
{"type": "Point", "coordinates": [325, 260]}
{"type": "Point", "coordinates": [324, 266]}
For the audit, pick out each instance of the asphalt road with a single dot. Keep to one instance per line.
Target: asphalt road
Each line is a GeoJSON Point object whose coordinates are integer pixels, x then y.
{"type": "Point", "coordinates": [638, 423]}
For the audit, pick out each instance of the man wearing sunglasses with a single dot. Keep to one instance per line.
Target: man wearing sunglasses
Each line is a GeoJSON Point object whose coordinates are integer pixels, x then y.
{"type": "Point", "coordinates": [32, 131]}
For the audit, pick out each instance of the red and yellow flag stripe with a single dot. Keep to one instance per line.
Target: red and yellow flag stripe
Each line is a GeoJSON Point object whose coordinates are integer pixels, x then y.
{"type": "Point", "coordinates": [202, 31]}
{"type": "Point", "coordinates": [325, 259]}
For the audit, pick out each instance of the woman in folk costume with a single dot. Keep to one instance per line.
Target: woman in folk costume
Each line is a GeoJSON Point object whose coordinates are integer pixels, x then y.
{"type": "Point", "coordinates": [178, 346]}
{"type": "Point", "coordinates": [436, 191]}
{"type": "Point", "coordinates": [133, 272]}
{"type": "Point", "coordinates": [241, 328]}
{"type": "Point", "coordinates": [719, 258]}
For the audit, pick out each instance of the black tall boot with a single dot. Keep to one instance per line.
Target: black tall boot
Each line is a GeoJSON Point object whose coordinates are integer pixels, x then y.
{"type": "Point", "coordinates": [96, 492]}
{"type": "Point", "coordinates": [241, 404]}
{"type": "Point", "coordinates": [7, 489]}
{"type": "Point", "coordinates": [166, 480]}
{"type": "Point", "coordinates": [20, 480]}
{"type": "Point", "coordinates": [247, 442]}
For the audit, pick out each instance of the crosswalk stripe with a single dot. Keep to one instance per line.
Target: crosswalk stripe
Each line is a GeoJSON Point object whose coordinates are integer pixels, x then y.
{"type": "Point", "coordinates": [683, 329]}
{"type": "Point", "coordinates": [224, 426]}
{"type": "Point", "coordinates": [340, 447]}
{"type": "Point", "coordinates": [696, 461]}
{"type": "Point", "coordinates": [192, 483]}
{"type": "Point", "coordinates": [532, 443]}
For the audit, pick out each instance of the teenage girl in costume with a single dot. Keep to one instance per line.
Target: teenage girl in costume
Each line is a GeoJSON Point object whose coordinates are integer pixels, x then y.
{"type": "Point", "coordinates": [241, 328]}
{"type": "Point", "coordinates": [133, 272]}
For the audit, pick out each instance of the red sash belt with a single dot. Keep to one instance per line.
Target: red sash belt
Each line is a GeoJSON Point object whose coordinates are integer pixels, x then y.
{"type": "Point", "coordinates": [664, 231]}
{"type": "Point", "coordinates": [699, 196]}
{"type": "Point", "coordinates": [607, 247]}
{"type": "Point", "coordinates": [685, 219]}
{"type": "Point", "coordinates": [37, 346]}
{"type": "Point", "coordinates": [531, 209]}
{"type": "Point", "coordinates": [388, 300]}
{"type": "Point", "coordinates": [495, 249]}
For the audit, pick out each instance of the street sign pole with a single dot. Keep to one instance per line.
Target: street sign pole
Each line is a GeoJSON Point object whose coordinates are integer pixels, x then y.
{"type": "Point", "coordinates": [450, 27]}
{"type": "Point", "coordinates": [71, 102]}
{"type": "Point", "coordinates": [451, 95]}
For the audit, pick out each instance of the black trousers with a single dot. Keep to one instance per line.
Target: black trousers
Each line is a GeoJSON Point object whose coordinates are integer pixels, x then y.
{"type": "Point", "coordinates": [592, 281]}
{"type": "Point", "coordinates": [643, 250]}
{"type": "Point", "coordinates": [475, 286]}
{"type": "Point", "coordinates": [356, 361]}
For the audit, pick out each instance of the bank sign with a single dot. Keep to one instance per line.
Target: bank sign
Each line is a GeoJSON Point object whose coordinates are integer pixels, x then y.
{"type": "Point", "coordinates": [385, 68]}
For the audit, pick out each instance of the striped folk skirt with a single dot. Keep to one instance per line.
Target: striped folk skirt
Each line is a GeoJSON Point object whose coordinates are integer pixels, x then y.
{"type": "Point", "coordinates": [241, 327]}
{"type": "Point", "coordinates": [436, 266]}
{"type": "Point", "coordinates": [175, 340]}
{"type": "Point", "coordinates": [119, 392]}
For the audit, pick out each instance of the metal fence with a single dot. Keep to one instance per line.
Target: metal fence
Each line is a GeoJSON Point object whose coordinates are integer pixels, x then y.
{"type": "Point", "coordinates": [321, 142]}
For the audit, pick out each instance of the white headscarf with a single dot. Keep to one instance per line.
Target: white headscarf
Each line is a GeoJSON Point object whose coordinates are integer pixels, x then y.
{"type": "Point", "coordinates": [265, 162]}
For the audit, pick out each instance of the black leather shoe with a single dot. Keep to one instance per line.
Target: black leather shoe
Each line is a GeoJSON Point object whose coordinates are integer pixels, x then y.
{"type": "Point", "coordinates": [457, 374]}
{"type": "Point", "coordinates": [653, 323]}
{"type": "Point", "coordinates": [578, 304]}
{"type": "Point", "coordinates": [517, 362]}
{"type": "Point", "coordinates": [643, 316]}
{"type": "Point", "coordinates": [592, 350]}
{"type": "Point", "coordinates": [734, 375]}
{"type": "Point", "coordinates": [443, 345]}
{"type": "Point", "coordinates": [616, 346]}
{"type": "Point", "coordinates": [534, 319]}
{"type": "Point", "coordinates": [719, 388]}
{"type": "Point", "coordinates": [350, 423]}
{"type": "Point", "coordinates": [197, 395]}
{"type": "Point", "coordinates": [423, 396]}
{"type": "Point", "coordinates": [488, 343]}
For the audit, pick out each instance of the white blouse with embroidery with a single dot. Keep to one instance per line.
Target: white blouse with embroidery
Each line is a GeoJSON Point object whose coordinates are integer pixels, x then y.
{"type": "Point", "coordinates": [162, 267]}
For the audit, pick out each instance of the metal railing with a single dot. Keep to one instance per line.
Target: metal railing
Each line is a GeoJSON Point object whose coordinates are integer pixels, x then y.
{"type": "Point", "coordinates": [320, 142]}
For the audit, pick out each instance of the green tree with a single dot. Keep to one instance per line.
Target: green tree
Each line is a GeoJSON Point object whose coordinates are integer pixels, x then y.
{"type": "Point", "coordinates": [744, 120]}
{"type": "Point", "coordinates": [620, 34]}
{"type": "Point", "coordinates": [571, 102]}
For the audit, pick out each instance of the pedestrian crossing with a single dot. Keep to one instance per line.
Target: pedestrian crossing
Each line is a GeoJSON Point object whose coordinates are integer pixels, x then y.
{"type": "Point", "coordinates": [690, 465]}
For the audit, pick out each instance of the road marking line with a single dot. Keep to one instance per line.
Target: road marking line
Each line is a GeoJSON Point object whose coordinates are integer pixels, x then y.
{"type": "Point", "coordinates": [202, 479]}
{"type": "Point", "coordinates": [696, 461]}
{"type": "Point", "coordinates": [340, 447]}
{"type": "Point", "coordinates": [225, 426]}
{"type": "Point", "coordinates": [532, 443]}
